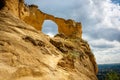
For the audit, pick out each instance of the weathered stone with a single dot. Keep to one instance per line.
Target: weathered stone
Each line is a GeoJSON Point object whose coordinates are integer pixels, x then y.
{"type": "Point", "coordinates": [33, 16]}
{"type": "Point", "coordinates": [28, 54]}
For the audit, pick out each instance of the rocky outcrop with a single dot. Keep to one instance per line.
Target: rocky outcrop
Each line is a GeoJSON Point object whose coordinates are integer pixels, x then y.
{"type": "Point", "coordinates": [28, 54]}
{"type": "Point", "coordinates": [33, 16]}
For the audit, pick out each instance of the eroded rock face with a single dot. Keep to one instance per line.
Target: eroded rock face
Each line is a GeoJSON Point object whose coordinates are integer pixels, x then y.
{"type": "Point", "coordinates": [28, 54]}
{"type": "Point", "coordinates": [33, 16]}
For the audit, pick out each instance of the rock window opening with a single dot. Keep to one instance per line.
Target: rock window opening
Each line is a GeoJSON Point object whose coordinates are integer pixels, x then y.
{"type": "Point", "coordinates": [50, 28]}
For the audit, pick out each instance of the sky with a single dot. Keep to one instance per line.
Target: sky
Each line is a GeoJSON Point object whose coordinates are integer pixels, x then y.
{"type": "Point", "coordinates": [100, 23]}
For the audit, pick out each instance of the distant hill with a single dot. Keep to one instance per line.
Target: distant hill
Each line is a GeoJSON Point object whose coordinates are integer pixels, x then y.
{"type": "Point", "coordinates": [106, 68]}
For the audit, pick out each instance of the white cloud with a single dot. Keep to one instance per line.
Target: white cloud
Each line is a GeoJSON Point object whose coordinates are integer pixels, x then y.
{"type": "Point", "coordinates": [105, 42]}
{"type": "Point", "coordinates": [108, 53]}
{"type": "Point", "coordinates": [50, 34]}
{"type": "Point", "coordinates": [110, 16]}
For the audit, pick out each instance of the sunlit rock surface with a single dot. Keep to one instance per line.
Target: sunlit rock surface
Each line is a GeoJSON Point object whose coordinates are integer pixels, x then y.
{"type": "Point", "coordinates": [28, 54]}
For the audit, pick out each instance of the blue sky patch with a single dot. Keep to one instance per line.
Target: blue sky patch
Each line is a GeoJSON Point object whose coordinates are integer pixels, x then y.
{"type": "Point", "coordinates": [116, 1]}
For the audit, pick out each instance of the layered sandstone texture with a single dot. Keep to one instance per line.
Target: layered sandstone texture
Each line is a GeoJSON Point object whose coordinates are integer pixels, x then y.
{"type": "Point", "coordinates": [33, 16]}
{"type": "Point", "coordinates": [28, 54]}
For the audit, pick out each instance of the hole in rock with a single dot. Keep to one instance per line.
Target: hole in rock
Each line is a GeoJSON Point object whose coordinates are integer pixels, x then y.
{"type": "Point", "coordinates": [50, 28]}
{"type": "Point", "coordinates": [2, 4]}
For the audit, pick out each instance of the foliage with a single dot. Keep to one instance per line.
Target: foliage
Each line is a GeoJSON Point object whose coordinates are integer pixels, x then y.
{"type": "Point", "coordinates": [112, 76]}
{"type": "Point", "coordinates": [75, 54]}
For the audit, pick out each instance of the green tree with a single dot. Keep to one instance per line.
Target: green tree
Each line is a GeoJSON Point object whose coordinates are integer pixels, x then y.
{"type": "Point", "coordinates": [112, 76]}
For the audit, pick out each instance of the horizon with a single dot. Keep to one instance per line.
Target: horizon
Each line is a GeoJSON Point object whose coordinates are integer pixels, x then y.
{"type": "Point", "coordinates": [108, 63]}
{"type": "Point", "coordinates": [100, 22]}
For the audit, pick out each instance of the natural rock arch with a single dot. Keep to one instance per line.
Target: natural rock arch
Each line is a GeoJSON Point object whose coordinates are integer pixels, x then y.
{"type": "Point", "coordinates": [34, 17]}
{"type": "Point", "coordinates": [68, 27]}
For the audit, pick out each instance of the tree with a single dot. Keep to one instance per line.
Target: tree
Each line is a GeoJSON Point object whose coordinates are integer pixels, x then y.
{"type": "Point", "coordinates": [112, 76]}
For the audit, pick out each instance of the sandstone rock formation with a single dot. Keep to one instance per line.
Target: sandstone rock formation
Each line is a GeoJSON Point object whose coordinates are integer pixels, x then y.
{"type": "Point", "coordinates": [28, 54]}
{"type": "Point", "coordinates": [33, 16]}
